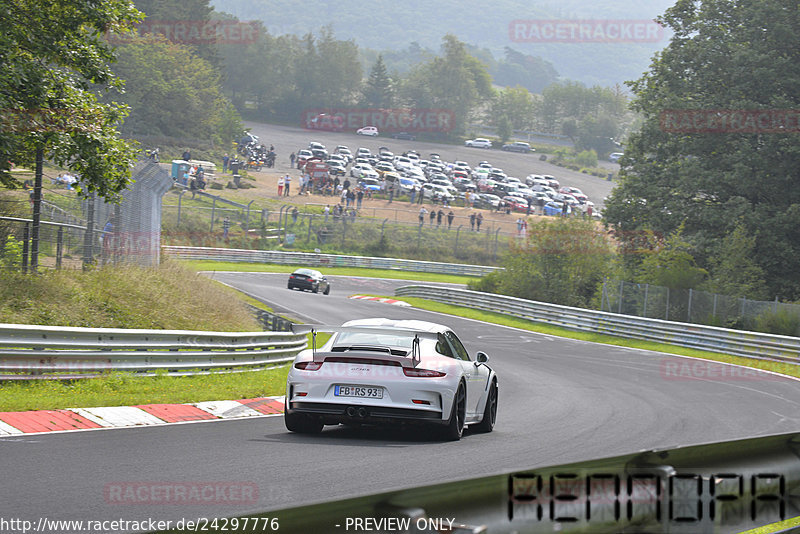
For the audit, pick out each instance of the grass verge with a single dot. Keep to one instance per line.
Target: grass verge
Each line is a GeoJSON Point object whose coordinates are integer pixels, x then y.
{"type": "Point", "coordinates": [499, 318]}
{"type": "Point", "coordinates": [125, 389]}
{"type": "Point", "coordinates": [341, 271]}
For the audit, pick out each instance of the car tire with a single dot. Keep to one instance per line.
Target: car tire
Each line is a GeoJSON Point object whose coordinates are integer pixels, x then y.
{"type": "Point", "coordinates": [327, 291]}
{"type": "Point", "coordinates": [301, 424]}
{"type": "Point", "coordinates": [290, 286]}
{"type": "Point", "coordinates": [315, 289]}
{"type": "Point", "coordinates": [490, 411]}
{"type": "Point", "coordinates": [455, 425]}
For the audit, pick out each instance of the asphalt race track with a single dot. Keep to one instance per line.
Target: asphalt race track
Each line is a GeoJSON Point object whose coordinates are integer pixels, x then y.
{"type": "Point", "coordinates": [560, 401]}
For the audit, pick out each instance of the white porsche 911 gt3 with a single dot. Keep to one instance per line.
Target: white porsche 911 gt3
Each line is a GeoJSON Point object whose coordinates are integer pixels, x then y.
{"type": "Point", "coordinates": [384, 371]}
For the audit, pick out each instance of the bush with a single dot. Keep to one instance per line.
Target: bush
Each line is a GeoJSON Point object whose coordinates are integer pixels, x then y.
{"type": "Point", "coordinates": [781, 322]}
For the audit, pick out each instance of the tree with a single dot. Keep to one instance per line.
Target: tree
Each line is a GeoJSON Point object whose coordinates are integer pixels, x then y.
{"type": "Point", "coordinates": [734, 270]}
{"type": "Point", "coordinates": [173, 92]}
{"type": "Point", "coordinates": [712, 182]}
{"type": "Point", "coordinates": [671, 264]}
{"type": "Point", "coordinates": [377, 91]}
{"type": "Point", "coordinates": [517, 105]}
{"type": "Point", "coordinates": [455, 81]}
{"type": "Point", "coordinates": [54, 56]}
{"type": "Point", "coordinates": [563, 261]}
{"type": "Point", "coordinates": [504, 129]}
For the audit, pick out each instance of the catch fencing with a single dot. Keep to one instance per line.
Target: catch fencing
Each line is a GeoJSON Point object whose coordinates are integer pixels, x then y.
{"type": "Point", "coordinates": [311, 259]}
{"type": "Point", "coordinates": [735, 342]}
{"type": "Point", "coordinates": [30, 351]}
{"type": "Point", "coordinates": [690, 305]}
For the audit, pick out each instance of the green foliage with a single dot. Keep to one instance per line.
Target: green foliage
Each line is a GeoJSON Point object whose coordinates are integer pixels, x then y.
{"type": "Point", "coordinates": [53, 56]}
{"type": "Point", "coordinates": [378, 91]}
{"type": "Point", "coordinates": [671, 264]}
{"type": "Point", "coordinates": [562, 261]}
{"type": "Point", "coordinates": [714, 182]}
{"type": "Point", "coordinates": [781, 322]}
{"type": "Point", "coordinates": [734, 270]}
{"type": "Point", "coordinates": [455, 81]}
{"type": "Point", "coordinates": [173, 92]}
{"type": "Point", "coordinates": [167, 297]}
{"type": "Point", "coordinates": [12, 253]}
{"type": "Point", "coordinates": [504, 129]}
{"type": "Point", "coordinates": [514, 104]}
{"type": "Point", "coordinates": [586, 158]}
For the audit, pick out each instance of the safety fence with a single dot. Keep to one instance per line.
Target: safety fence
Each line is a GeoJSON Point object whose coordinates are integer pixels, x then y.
{"type": "Point", "coordinates": [694, 306]}
{"type": "Point", "coordinates": [309, 259]}
{"type": "Point", "coordinates": [31, 351]}
{"type": "Point", "coordinates": [736, 342]}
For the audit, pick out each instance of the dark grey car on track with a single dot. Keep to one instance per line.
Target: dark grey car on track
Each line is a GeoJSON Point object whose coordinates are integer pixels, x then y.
{"type": "Point", "coordinates": [309, 279]}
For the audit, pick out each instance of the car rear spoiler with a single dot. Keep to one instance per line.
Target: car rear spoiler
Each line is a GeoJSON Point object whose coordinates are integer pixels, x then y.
{"type": "Point", "coordinates": [416, 334]}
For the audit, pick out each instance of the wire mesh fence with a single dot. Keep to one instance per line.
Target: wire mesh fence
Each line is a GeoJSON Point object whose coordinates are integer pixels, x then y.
{"type": "Point", "coordinates": [81, 230]}
{"type": "Point", "coordinates": [695, 306]}
{"type": "Point", "coordinates": [357, 232]}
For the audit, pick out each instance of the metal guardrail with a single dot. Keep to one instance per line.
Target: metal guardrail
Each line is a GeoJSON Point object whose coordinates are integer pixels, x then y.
{"type": "Point", "coordinates": [723, 487]}
{"type": "Point", "coordinates": [309, 259]}
{"type": "Point", "coordinates": [30, 351]}
{"type": "Point", "coordinates": [735, 342]}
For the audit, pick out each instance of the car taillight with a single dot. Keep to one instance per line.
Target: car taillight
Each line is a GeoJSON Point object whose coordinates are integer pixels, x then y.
{"type": "Point", "coordinates": [308, 366]}
{"type": "Point", "coordinates": [422, 373]}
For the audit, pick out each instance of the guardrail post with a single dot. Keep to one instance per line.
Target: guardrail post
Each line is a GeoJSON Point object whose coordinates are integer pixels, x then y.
{"type": "Point", "coordinates": [382, 227]}
{"type": "Point", "coordinates": [666, 313]}
{"type": "Point", "coordinates": [621, 287]}
{"type": "Point", "coordinates": [644, 310]}
{"type": "Point", "coordinates": [180, 197]}
{"type": "Point", "coordinates": [689, 311]}
{"type": "Point", "coordinates": [455, 248]}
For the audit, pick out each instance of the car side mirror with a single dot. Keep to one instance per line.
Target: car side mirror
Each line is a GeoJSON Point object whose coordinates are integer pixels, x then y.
{"type": "Point", "coordinates": [482, 357]}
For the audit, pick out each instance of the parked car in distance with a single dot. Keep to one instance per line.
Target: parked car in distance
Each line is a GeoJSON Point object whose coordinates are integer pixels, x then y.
{"type": "Point", "coordinates": [614, 157]}
{"type": "Point", "coordinates": [552, 208]}
{"type": "Point", "coordinates": [368, 130]}
{"type": "Point", "coordinates": [309, 280]}
{"type": "Point", "coordinates": [404, 135]}
{"type": "Point", "coordinates": [479, 142]}
{"type": "Point", "coordinates": [518, 146]}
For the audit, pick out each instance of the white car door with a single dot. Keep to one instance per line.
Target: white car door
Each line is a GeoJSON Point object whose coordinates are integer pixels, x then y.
{"type": "Point", "coordinates": [477, 375]}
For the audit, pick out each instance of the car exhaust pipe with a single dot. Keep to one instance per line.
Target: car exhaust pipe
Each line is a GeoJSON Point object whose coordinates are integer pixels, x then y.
{"type": "Point", "coordinates": [362, 413]}
{"type": "Point", "coordinates": [351, 411]}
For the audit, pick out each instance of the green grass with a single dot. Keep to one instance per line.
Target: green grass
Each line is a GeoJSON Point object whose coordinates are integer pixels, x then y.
{"type": "Point", "coordinates": [524, 324]}
{"type": "Point", "coordinates": [124, 389]}
{"type": "Point", "coordinates": [343, 271]}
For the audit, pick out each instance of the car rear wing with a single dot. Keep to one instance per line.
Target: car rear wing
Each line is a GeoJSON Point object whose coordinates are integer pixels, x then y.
{"type": "Point", "coordinates": [416, 335]}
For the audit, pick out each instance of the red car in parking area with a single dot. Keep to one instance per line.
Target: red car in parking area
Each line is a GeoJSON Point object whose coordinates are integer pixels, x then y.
{"type": "Point", "coordinates": [516, 203]}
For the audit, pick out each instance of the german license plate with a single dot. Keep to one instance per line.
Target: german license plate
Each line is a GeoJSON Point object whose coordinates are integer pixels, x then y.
{"type": "Point", "coordinates": [358, 391]}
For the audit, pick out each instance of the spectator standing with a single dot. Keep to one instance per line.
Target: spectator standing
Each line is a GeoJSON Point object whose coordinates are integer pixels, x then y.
{"type": "Point", "coordinates": [351, 197]}
{"type": "Point", "coordinates": [295, 213]}
{"type": "Point", "coordinates": [281, 183]}
{"type": "Point", "coordinates": [226, 226]}
{"type": "Point", "coordinates": [291, 159]}
{"type": "Point", "coordinates": [359, 198]}
{"type": "Point", "coordinates": [225, 160]}
{"type": "Point", "coordinates": [433, 216]}
{"type": "Point", "coordinates": [439, 217]}
{"type": "Point", "coordinates": [564, 208]}
{"type": "Point", "coordinates": [327, 211]}
{"type": "Point", "coordinates": [186, 155]}
{"type": "Point", "coordinates": [422, 213]}
{"type": "Point", "coordinates": [450, 217]}
{"type": "Point", "coordinates": [413, 194]}
{"type": "Point", "coordinates": [193, 187]}
{"type": "Point", "coordinates": [478, 221]}
{"type": "Point", "coordinates": [287, 181]}
{"type": "Point", "coordinates": [472, 222]}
